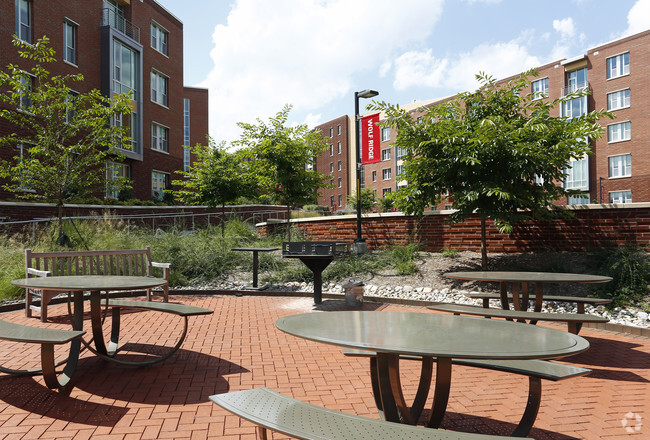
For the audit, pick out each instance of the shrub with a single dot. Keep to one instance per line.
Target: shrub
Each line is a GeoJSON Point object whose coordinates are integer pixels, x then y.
{"type": "Point", "coordinates": [630, 269]}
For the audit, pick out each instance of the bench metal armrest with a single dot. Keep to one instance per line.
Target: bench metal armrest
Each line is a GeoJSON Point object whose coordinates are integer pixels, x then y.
{"type": "Point", "coordinates": [38, 273]}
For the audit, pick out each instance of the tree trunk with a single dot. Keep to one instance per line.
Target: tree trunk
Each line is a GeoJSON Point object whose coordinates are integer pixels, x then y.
{"type": "Point", "coordinates": [484, 258]}
{"type": "Point", "coordinates": [223, 220]}
{"type": "Point", "coordinates": [289, 223]}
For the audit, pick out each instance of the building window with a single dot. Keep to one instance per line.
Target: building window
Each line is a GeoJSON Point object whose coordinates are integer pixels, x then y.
{"type": "Point", "coordinates": [159, 182]}
{"type": "Point", "coordinates": [385, 134]}
{"type": "Point", "coordinates": [339, 147]}
{"type": "Point", "coordinates": [618, 100]}
{"type": "Point", "coordinates": [576, 80]}
{"type": "Point", "coordinates": [620, 197]}
{"type": "Point", "coordinates": [332, 201]}
{"type": "Point", "coordinates": [374, 176]}
{"type": "Point", "coordinates": [340, 201]}
{"type": "Point", "coordinates": [400, 152]}
{"type": "Point", "coordinates": [399, 170]}
{"type": "Point", "coordinates": [385, 192]}
{"type": "Point", "coordinates": [159, 137]}
{"type": "Point", "coordinates": [340, 182]}
{"type": "Point", "coordinates": [620, 165]}
{"type": "Point", "coordinates": [386, 173]}
{"type": "Point", "coordinates": [339, 129]}
{"type": "Point", "coordinates": [159, 88]}
{"type": "Point", "coordinates": [70, 106]}
{"type": "Point", "coordinates": [25, 177]}
{"type": "Point", "coordinates": [577, 175]}
{"type": "Point", "coordinates": [385, 154]}
{"type": "Point", "coordinates": [70, 42]}
{"type": "Point", "coordinates": [331, 167]}
{"type": "Point", "coordinates": [578, 199]}
{"type": "Point", "coordinates": [540, 88]}
{"type": "Point", "coordinates": [331, 132]}
{"type": "Point", "coordinates": [27, 87]}
{"type": "Point", "coordinates": [619, 132]}
{"type": "Point", "coordinates": [130, 121]}
{"type": "Point", "coordinates": [159, 38]}
{"type": "Point", "coordinates": [331, 149]}
{"type": "Point", "coordinates": [575, 107]}
{"type": "Point", "coordinates": [115, 171]}
{"type": "Point", "coordinates": [618, 65]}
{"type": "Point", "coordinates": [340, 165]}
{"type": "Point", "coordinates": [125, 69]}
{"type": "Point", "coordinates": [24, 20]}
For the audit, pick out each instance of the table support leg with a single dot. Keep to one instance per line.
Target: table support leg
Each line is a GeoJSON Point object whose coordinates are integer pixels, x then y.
{"type": "Point", "coordinates": [539, 299]}
{"type": "Point", "coordinates": [532, 408]}
{"type": "Point", "coordinates": [392, 399]}
{"type": "Point", "coordinates": [441, 393]}
{"type": "Point", "coordinates": [255, 265]}
{"type": "Point", "coordinates": [503, 290]}
{"type": "Point", "coordinates": [96, 321]}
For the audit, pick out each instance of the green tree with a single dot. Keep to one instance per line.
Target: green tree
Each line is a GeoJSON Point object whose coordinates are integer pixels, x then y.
{"type": "Point", "coordinates": [62, 141]}
{"type": "Point", "coordinates": [216, 178]}
{"type": "Point", "coordinates": [283, 158]}
{"type": "Point", "coordinates": [368, 201]}
{"type": "Point", "coordinates": [497, 152]}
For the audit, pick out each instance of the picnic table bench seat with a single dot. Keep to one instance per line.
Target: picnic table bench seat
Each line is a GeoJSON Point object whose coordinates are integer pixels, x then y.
{"type": "Point", "coordinates": [47, 338]}
{"type": "Point", "coordinates": [131, 262]}
{"type": "Point", "coordinates": [277, 412]}
{"type": "Point", "coordinates": [536, 370]}
{"type": "Point", "coordinates": [574, 320]}
{"type": "Point", "coordinates": [580, 301]}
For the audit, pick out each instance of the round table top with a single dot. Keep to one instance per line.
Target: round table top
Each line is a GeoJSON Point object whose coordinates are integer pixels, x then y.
{"type": "Point", "coordinates": [432, 334]}
{"type": "Point", "coordinates": [545, 277]}
{"type": "Point", "coordinates": [256, 249]}
{"type": "Point", "coordinates": [89, 282]}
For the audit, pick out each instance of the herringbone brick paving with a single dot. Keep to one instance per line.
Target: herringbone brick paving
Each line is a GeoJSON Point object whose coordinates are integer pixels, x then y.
{"type": "Point", "coordinates": [238, 347]}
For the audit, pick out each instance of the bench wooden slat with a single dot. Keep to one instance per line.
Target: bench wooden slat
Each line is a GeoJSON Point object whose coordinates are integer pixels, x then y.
{"type": "Point", "coordinates": [302, 420]}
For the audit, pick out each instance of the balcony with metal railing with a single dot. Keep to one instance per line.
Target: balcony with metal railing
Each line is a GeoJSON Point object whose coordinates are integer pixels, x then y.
{"type": "Point", "coordinates": [118, 22]}
{"type": "Point", "coordinates": [572, 88]}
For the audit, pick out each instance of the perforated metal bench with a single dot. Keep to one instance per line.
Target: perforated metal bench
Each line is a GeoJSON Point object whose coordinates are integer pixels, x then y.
{"type": "Point", "coordinates": [574, 320]}
{"type": "Point", "coordinates": [47, 338]}
{"type": "Point", "coordinates": [182, 310]}
{"type": "Point", "coordinates": [536, 370]}
{"type": "Point", "coordinates": [277, 412]}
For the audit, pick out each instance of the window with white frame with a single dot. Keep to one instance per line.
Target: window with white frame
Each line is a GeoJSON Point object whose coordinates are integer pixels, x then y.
{"type": "Point", "coordinates": [159, 181]}
{"type": "Point", "coordinates": [620, 197]}
{"type": "Point", "coordinates": [400, 152]}
{"type": "Point", "coordinates": [340, 165]}
{"type": "Point", "coordinates": [331, 149]}
{"type": "Point", "coordinates": [26, 89]}
{"type": "Point", "coordinates": [339, 147]}
{"type": "Point", "coordinates": [578, 199]}
{"type": "Point", "coordinates": [331, 167]}
{"type": "Point", "coordinates": [331, 132]}
{"type": "Point", "coordinates": [24, 20]}
{"type": "Point", "coordinates": [374, 176]}
{"type": "Point", "coordinates": [125, 68]}
{"type": "Point", "coordinates": [25, 177]}
{"type": "Point", "coordinates": [340, 201]}
{"type": "Point", "coordinates": [131, 122]}
{"type": "Point", "coordinates": [186, 159]}
{"type": "Point", "coordinates": [386, 173]}
{"type": "Point", "coordinates": [340, 183]}
{"type": "Point", "coordinates": [576, 80]}
{"type": "Point", "coordinates": [399, 170]}
{"type": "Point", "coordinates": [620, 165]}
{"type": "Point", "coordinates": [159, 37]}
{"type": "Point", "coordinates": [540, 88]}
{"type": "Point", "coordinates": [618, 100]}
{"type": "Point", "coordinates": [619, 132]}
{"type": "Point", "coordinates": [159, 88]}
{"type": "Point", "coordinates": [70, 106]}
{"type": "Point", "coordinates": [114, 172]}
{"type": "Point", "coordinates": [331, 200]}
{"type": "Point", "coordinates": [70, 42]}
{"type": "Point", "coordinates": [339, 129]}
{"type": "Point", "coordinates": [186, 134]}
{"type": "Point", "coordinates": [577, 175]}
{"type": "Point", "coordinates": [385, 192]}
{"type": "Point", "coordinates": [385, 133]}
{"type": "Point", "coordinates": [385, 154]}
{"type": "Point", "coordinates": [159, 137]}
{"type": "Point", "coordinates": [618, 65]}
{"type": "Point", "coordinates": [575, 107]}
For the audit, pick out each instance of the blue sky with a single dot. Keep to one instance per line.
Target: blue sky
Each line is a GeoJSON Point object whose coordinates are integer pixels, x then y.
{"type": "Point", "coordinates": [255, 56]}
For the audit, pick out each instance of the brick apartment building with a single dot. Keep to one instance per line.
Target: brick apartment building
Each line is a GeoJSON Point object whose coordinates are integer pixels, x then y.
{"type": "Point", "coordinates": [120, 46]}
{"type": "Point", "coordinates": [617, 74]}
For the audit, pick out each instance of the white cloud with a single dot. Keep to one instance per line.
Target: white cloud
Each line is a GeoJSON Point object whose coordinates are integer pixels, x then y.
{"type": "Point", "coordinates": [638, 19]}
{"type": "Point", "coordinates": [418, 69]}
{"type": "Point", "coordinates": [304, 53]}
{"type": "Point", "coordinates": [565, 27]}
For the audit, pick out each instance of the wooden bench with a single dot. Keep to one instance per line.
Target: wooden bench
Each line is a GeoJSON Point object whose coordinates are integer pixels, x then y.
{"type": "Point", "coordinates": [536, 370]}
{"type": "Point", "coordinates": [47, 338]}
{"type": "Point", "coordinates": [283, 414]}
{"type": "Point", "coordinates": [574, 320]}
{"type": "Point", "coordinates": [578, 300]}
{"type": "Point", "coordinates": [132, 262]}
{"type": "Point", "coordinates": [182, 310]}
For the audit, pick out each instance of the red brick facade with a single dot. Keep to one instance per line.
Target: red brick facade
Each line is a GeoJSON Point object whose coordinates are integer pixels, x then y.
{"type": "Point", "coordinates": [337, 162]}
{"type": "Point", "coordinates": [590, 228]}
{"type": "Point", "coordinates": [95, 35]}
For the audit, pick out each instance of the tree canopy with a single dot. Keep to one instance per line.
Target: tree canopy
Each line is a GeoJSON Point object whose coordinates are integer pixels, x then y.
{"type": "Point", "coordinates": [496, 152]}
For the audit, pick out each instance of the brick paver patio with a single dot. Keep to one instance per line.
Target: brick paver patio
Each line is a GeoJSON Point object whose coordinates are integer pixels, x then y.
{"type": "Point", "coordinates": [238, 347]}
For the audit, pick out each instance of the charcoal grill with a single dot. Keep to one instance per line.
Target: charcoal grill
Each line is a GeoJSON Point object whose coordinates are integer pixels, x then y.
{"type": "Point", "coordinates": [316, 255]}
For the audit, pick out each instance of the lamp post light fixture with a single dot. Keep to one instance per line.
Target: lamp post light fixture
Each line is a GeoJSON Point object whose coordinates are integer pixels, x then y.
{"type": "Point", "coordinates": [360, 243]}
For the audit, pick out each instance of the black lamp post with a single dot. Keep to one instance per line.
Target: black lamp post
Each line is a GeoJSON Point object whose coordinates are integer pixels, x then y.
{"type": "Point", "coordinates": [363, 94]}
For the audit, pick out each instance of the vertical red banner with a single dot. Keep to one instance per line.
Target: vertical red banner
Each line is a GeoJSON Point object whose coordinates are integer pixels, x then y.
{"type": "Point", "coordinates": [370, 139]}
